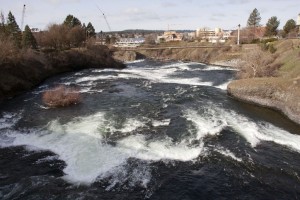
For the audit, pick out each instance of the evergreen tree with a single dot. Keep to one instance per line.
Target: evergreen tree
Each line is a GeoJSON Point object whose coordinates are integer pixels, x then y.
{"type": "Point", "coordinates": [289, 26]}
{"type": "Point", "coordinates": [253, 22]}
{"type": "Point", "coordinates": [13, 30]}
{"type": "Point", "coordinates": [254, 19]}
{"type": "Point", "coordinates": [83, 26]}
{"type": "Point", "coordinates": [271, 26]}
{"type": "Point", "coordinates": [72, 21]}
{"type": "Point", "coordinates": [28, 40]}
{"type": "Point", "coordinates": [2, 24]}
{"type": "Point", "coordinates": [90, 30]}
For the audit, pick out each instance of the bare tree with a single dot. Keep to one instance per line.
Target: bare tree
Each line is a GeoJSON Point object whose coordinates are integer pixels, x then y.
{"type": "Point", "coordinates": [76, 36]}
{"type": "Point", "coordinates": [257, 63]}
{"type": "Point", "coordinates": [56, 37]}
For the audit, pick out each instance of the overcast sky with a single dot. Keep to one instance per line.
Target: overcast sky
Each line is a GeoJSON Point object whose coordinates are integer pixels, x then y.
{"type": "Point", "coordinates": [151, 14]}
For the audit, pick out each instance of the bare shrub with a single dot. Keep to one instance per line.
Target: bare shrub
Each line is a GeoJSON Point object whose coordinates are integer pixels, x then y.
{"type": "Point", "coordinates": [55, 37]}
{"type": "Point", "coordinates": [8, 49]}
{"type": "Point", "coordinates": [257, 63]}
{"type": "Point", "coordinates": [226, 49]}
{"type": "Point", "coordinates": [90, 42]}
{"type": "Point", "coordinates": [61, 96]}
{"type": "Point", "coordinates": [76, 36]}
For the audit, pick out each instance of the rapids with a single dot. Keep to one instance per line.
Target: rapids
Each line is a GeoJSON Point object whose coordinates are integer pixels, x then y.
{"type": "Point", "coordinates": [151, 131]}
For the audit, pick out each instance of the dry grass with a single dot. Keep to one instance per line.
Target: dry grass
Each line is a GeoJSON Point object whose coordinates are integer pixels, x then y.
{"type": "Point", "coordinates": [61, 96]}
{"type": "Point", "coordinates": [258, 63]}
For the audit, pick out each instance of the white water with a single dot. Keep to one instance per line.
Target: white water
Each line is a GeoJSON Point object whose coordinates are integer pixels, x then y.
{"type": "Point", "coordinates": [227, 153]}
{"type": "Point", "coordinates": [214, 119]}
{"type": "Point", "coordinates": [82, 142]}
{"type": "Point", "coordinates": [163, 74]}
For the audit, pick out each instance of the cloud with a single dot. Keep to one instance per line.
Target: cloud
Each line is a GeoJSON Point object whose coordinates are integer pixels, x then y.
{"type": "Point", "coordinates": [58, 2]}
{"type": "Point", "coordinates": [239, 2]}
{"type": "Point", "coordinates": [139, 14]}
{"type": "Point", "coordinates": [133, 11]}
{"type": "Point", "coordinates": [221, 15]}
{"type": "Point", "coordinates": [168, 4]}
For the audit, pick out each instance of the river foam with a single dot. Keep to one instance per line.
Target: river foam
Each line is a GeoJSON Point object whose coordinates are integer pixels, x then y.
{"type": "Point", "coordinates": [81, 144]}
{"type": "Point", "coordinates": [164, 74]}
{"type": "Point", "coordinates": [214, 118]}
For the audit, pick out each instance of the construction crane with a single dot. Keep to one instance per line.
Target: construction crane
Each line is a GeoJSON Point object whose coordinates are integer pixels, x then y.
{"type": "Point", "coordinates": [109, 28]}
{"type": "Point", "coordinates": [23, 16]}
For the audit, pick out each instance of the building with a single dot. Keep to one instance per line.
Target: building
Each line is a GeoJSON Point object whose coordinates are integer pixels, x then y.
{"type": "Point", "coordinates": [227, 34]}
{"type": "Point", "coordinates": [192, 35]}
{"type": "Point", "coordinates": [35, 30]}
{"type": "Point", "coordinates": [169, 36]}
{"type": "Point", "coordinates": [205, 33]}
{"type": "Point", "coordinates": [213, 36]}
{"type": "Point", "coordinates": [129, 42]}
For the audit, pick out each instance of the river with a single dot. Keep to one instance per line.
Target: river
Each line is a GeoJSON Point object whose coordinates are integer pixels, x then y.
{"type": "Point", "coordinates": [151, 131]}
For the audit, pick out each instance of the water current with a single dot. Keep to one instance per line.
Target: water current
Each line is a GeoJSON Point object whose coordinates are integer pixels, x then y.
{"type": "Point", "coordinates": [151, 131]}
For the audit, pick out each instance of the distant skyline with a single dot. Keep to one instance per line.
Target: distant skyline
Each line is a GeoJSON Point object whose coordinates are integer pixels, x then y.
{"type": "Point", "coordinates": [151, 15]}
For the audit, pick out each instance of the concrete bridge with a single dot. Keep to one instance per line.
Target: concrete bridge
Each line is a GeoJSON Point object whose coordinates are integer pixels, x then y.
{"type": "Point", "coordinates": [170, 47]}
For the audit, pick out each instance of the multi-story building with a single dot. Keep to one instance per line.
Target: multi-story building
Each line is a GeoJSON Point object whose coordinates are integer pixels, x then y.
{"type": "Point", "coordinates": [205, 33]}
{"type": "Point", "coordinates": [214, 36]}
{"type": "Point", "coordinates": [169, 36]}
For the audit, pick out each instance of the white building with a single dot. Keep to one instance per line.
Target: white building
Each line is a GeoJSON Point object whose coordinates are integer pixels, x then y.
{"type": "Point", "coordinates": [205, 33]}
{"type": "Point", "coordinates": [35, 30]}
{"type": "Point", "coordinates": [129, 42]}
{"type": "Point", "coordinates": [216, 35]}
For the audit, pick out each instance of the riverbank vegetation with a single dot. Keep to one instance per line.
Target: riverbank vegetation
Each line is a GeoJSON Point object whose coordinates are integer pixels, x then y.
{"type": "Point", "coordinates": [61, 96]}
{"type": "Point", "coordinates": [26, 58]}
{"type": "Point", "coordinates": [269, 72]}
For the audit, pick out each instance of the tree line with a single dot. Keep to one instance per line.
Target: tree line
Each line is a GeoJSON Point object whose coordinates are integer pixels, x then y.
{"type": "Point", "coordinates": [70, 33]}
{"type": "Point", "coordinates": [10, 30]}
{"type": "Point", "coordinates": [271, 29]}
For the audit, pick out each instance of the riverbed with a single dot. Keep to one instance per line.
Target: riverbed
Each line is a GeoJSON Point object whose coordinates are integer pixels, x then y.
{"type": "Point", "coordinates": [151, 131]}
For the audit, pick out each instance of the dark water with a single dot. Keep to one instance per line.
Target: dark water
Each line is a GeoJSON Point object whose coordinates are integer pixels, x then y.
{"type": "Point", "coordinates": [151, 131]}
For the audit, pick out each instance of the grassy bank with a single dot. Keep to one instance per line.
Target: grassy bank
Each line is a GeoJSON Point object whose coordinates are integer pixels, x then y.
{"type": "Point", "coordinates": [279, 90]}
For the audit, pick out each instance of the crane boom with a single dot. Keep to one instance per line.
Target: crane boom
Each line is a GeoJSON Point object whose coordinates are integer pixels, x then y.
{"type": "Point", "coordinates": [105, 18]}
{"type": "Point", "coordinates": [23, 16]}
{"type": "Point", "coordinates": [107, 22]}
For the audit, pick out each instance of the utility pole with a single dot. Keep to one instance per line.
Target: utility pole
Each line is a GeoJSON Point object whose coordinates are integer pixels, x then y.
{"type": "Point", "coordinates": [238, 39]}
{"type": "Point", "coordinates": [23, 15]}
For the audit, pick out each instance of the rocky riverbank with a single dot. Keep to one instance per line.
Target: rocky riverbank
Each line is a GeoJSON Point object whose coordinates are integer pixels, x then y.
{"type": "Point", "coordinates": [281, 92]}
{"type": "Point", "coordinates": [203, 55]}
{"type": "Point", "coordinates": [31, 68]}
{"type": "Point", "coordinates": [277, 93]}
